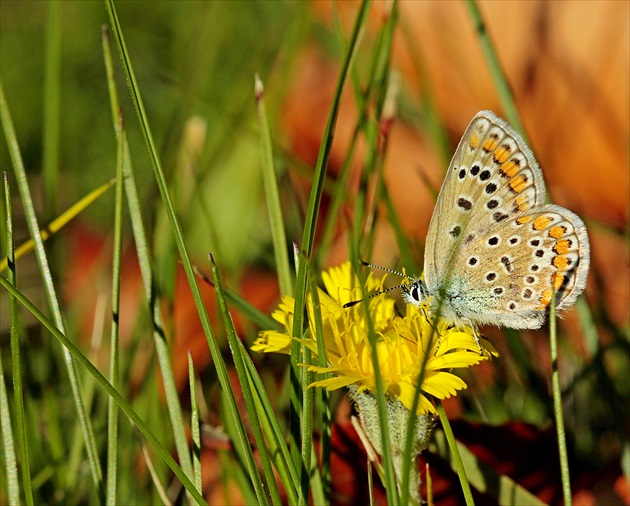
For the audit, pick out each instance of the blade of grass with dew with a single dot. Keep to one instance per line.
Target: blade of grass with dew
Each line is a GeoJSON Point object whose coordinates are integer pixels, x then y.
{"type": "Point", "coordinates": [494, 66]}
{"type": "Point", "coordinates": [456, 458]}
{"type": "Point", "coordinates": [272, 195]}
{"type": "Point", "coordinates": [194, 423]}
{"type": "Point", "coordinates": [114, 370]}
{"type": "Point", "coordinates": [52, 108]}
{"type": "Point", "coordinates": [51, 293]}
{"type": "Point", "coordinates": [309, 235]}
{"type": "Point", "coordinates": [483, 477]}
{"type": "Point", "coordinates": [8, 436]}
{"type": "Point", "coordinates": [557, 403]}
{"type": "Point", "coordinates": [241, 372]}
{"type": "Point", "coordinates": [273, 432]}
{"type": "Point", "coordinates": [142, 251]}
{"type": "Point", "coordinates": [92, 370]}
{"type": "Point", "coordinates": [62, 220]}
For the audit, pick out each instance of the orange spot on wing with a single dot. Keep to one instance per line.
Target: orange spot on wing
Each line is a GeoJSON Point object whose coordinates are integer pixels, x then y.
{"type": "Point", "coordinates": [545, 299]}
{"type": "Point", "coordinates": [557, 280]}
{"type": "Point", "coordinates": [501, 155]}
{"type": "Point", "coordinates": [522, 203]}
{"type": "Point", "coordinates": [509, 168]}
{"type": "Point", "coordinates": [523, 220]}
{"type": "Point", "coordinates": [561, 247]}
{"type": "Point", "coordinates": [561, 263]}
{"type": "Point", "coordinates": [541, 223]}
{"type": "Point", "coordinates": [557, 232]}
{"type": "Point", "coordinates": [489, 145]}
{"type": "Point", "coordinates": [518, 184]}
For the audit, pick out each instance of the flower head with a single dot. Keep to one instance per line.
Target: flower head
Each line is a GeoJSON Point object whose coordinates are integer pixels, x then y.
{"type": "Point", "coordinates": [408, 347]}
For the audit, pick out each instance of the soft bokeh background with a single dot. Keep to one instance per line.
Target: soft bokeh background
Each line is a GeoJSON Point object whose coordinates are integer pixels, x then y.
{"type": "Point", "coordinates": [567, 64]}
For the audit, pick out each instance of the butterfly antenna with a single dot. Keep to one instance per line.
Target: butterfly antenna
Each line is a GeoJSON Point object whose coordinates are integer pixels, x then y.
{"type": "Point", "coordinates": [391, 271]}
{"type": "Point", "coordinates": [355, 302]}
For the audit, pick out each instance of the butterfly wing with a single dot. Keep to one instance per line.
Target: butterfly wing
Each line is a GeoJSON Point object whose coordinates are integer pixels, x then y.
{"type": "Point", "coordinates": [477, 255]}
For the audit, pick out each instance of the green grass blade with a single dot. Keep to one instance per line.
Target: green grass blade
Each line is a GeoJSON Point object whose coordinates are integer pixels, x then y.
{"type": "Point", "coordinates": [194, 423]}
{"type": "Point", "coordinates": [253, 314]}
{"type": "Point", "coordinates": [61, 221]}
{"type": "Point", "coordinates": [241, 371]}
{"type": "Point", "coordinates": [53, 301]}
{"type": "Point", "coordinates": [379, 390]}
{"type": "Point", "coordinates": [114, 372]}
{"type": "Point", "coordinates": [235, 461]}
{"type": "Point", "coordinates": [494, 65]}
{"type": "Point", "coordinates": [557, 404]}
{"type": "Point", "coordinates": [144, 259]}
{"type": "Point", "coordinates": [306, 428]}
{"type": "Point", "coordinates": [309, 235]}
{"type": "Point", "coordinates": [273, 433]}
{"type": "Point", "coordinates": [8, 447]}
{"type": "Point", "coordinates": [322, 404]}
{"type": "Point", "coordinates": [154, 475]}
{"type": "Point", "coordinates": [94, 372]}
{"type": "Point", "coordinates": [272, 195]}
{"type": "Point", "coordinates": [52, 108]}
{"type": "Point", "coordinates": [13, 485]}
{"type": "Point", "coordinates": [456, 458]}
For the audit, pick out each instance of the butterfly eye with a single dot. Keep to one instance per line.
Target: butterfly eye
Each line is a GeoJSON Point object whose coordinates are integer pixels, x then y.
{"type": "Point", "coordinates": [414, 293]}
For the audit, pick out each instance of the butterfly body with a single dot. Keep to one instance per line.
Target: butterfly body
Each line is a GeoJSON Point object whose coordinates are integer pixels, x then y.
{"type": "Point", "coordinates": [495, 252]}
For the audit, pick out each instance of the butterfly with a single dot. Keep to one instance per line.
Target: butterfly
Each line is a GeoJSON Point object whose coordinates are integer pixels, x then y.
{"type": "Point", "coordinates": [495, 252]}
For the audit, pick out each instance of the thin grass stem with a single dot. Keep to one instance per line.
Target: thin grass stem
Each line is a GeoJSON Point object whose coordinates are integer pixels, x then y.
{"type": "Point", "coordinates": [114, 368]}
{"type": "Point", "coordinates": [143, 252]}
{"type": "Point", "coordinates": [94, 372]}
{"type": "Point", "coordinates": [19, 434]}
{"type": "Point", "coordinates": [496, 71]}
{"type": "Point", "coordinates": [557, 404]}
{"type": "Point", "coordinates": [309, 236]}
{"type": "Point", "coordinates": [247, 397]}
{"type": "Point", "coordinates": [51, 293]}
{"type": "Point", "coordinates": [194, 424]}
{"type": "Point", "coordinates": [457, 459]}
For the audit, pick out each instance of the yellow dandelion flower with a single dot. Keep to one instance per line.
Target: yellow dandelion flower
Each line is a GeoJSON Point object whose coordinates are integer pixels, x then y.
{"type": "Point", "coordinates": [408, 347]}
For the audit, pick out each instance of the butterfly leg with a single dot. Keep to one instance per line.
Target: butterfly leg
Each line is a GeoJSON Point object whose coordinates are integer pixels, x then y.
{"type": "Point", "coordinates": [435, 330]}
{"type": "Point", "coordinates": [474, 329]}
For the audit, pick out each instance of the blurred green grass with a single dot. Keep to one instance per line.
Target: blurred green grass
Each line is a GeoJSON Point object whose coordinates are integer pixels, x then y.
{"type": "Point", "coordinates": [198, 60]}
{"type": "Point", "coordinates": [191, 58]}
